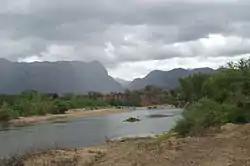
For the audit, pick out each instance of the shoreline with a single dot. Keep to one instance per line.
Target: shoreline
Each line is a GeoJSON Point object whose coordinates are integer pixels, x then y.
{"type": "Point", "coordinates": [69, 114]}
{"type": "Point", "coordinates": [74, 113]}
{"type": "Point", "coordinates": [229, 145]}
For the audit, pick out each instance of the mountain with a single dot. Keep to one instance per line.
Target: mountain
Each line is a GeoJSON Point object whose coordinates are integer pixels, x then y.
{"type": "Point", "coordinates": [165, 79]}
{"type": "Point", "coordinates": [58, 77]}
{"type": "Point", "coordinates": [123, 82]}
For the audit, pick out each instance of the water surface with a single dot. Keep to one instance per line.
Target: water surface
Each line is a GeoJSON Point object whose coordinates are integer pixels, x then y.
{"type": "Point", "coordinates": [85, 131]}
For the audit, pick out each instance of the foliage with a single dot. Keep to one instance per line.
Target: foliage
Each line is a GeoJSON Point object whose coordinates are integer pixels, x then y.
{"type": "Point", "coordinates": [6, 113]}
{"type": "Point", "coordinates": [59, 107]}
{"type": "Point", "coordinates": [215, 99]}
{"type": "Point", "coordinates": [34, 103]}
{"type": "Point", "coordinates": [205, 113]}
{"type": "Point", "coordinates": [192, 86]}
{"type": "Point", "coordinates": [150, 95]}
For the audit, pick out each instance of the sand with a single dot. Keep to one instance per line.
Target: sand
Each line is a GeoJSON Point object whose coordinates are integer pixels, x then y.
{"type": "Point", "coordinates": [69, 114]}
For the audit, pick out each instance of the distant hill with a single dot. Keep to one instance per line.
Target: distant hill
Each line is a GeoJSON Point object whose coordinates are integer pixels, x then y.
{"type": "Point", "coordinates": [123, 82]}
{"type": "Point", "coordinates": [59, 77]}
{"type": "Point", "coordinates": [165, 79]}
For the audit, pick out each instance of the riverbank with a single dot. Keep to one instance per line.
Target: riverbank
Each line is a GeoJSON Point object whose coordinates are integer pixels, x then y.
{"type": "Point", "coordinates": [74, 113]}
{"type": "Point", "coordinates": [230, 145]}
{"type": "Point", "coordinates": [68, 114]}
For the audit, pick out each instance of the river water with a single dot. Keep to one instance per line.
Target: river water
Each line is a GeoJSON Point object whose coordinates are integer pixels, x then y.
{"type": "Point", "coordinates": [85, 131]}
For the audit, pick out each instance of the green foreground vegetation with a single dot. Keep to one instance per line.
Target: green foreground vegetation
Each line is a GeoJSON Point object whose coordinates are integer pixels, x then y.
{"type": "Point", "coordinates": [215, 99]}
{"type": "Point", "coordinates": [32, 102]}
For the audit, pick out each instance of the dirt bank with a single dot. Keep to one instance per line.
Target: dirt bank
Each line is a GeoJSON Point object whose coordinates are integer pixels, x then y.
{"type": "Point", "coordinates": [69, 114]}
{"type": "Point", "coordinates": [228, 147]}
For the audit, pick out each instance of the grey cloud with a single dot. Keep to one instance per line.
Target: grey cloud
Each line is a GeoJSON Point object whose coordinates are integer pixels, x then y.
{"type": "Point", "coordinates": [137, 29]}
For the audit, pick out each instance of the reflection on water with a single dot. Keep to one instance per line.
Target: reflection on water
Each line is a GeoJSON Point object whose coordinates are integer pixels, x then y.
{"type": "Point", "coordinates": [159, 116]}
{"type": "Point", "coordinates": [4, 126]}
{"type": "Point", "coordinates": [80, 132]}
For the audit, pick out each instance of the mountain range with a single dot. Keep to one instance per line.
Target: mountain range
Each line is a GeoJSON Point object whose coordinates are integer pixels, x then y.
{"type": "Point", "coordinates": [79, 77]}
{"type": "Point", "coordinates": [123, 82]}
{"type": "Point", "coordinates": [56, 77]}
{"type": "Point", "coordinates": [165, 79]}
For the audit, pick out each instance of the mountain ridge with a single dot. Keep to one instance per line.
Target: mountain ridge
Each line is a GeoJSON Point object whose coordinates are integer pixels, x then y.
{"type": "Point", "coordinates": [165, 79]}
{"type": "Point", "coordinates": [56, 77]}
{"type": "Point", "coordinates": [80, 77]}
{"type": "Point", "coordinates": [123, 82]}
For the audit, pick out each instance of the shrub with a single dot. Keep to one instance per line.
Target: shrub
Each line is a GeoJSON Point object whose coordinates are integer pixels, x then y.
{"type": "Point", "coordinates": [25, 107]}
{"type": "Point", "coordinates": [4, 115]}
{"type": "Point", "coordinates": [5, 112]}
{"type": "Point", "coordinates": [42, 108]}
{"type": "Point", "coordinates": [206, 113]}
{"type": "Point", "coordinates": [184, 126]}
{"type": "Point", "coordinates": [60, 107]}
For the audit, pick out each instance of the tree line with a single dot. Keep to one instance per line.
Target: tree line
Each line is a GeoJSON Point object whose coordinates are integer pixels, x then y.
{"type": "Point", "coordinates": [215, 99]}
{"type": "Point", "coordinates": [32, 102]}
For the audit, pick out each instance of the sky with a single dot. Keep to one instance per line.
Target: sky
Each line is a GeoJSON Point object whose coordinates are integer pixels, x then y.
{"type": "Point", "coordinates": [129, 37]}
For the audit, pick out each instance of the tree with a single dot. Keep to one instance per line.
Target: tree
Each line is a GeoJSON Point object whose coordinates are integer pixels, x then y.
{"type": "Point", "coordinates": [218, 98]}
{"type": "Point", "coordinates": [192, 86]}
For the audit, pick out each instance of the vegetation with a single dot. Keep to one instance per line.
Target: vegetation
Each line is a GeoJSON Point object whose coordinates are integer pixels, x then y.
{"type": "Point", "coordinates": [163, 137]}
{"type": "Point", "coordinates": [150, 95]}
{"type": "Point", "coordinates": [31, 102]}
{"type": "Point", "coordinates": [215, 99]}
{"type": "Point", "coordinates": [34, 103]}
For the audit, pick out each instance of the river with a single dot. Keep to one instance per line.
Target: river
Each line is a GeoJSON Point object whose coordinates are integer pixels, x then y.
{"type": "Point", "coordinates": [85, 131]}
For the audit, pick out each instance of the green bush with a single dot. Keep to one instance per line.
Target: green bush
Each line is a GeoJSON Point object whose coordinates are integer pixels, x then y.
{"type": "Point", "coordinates": [6, 113]}
{"type": "Point", "coordinates": [184, 126]}
{"type": "Point", "coordinates": [59, 107]}
{"type": "Point", "coordinates": [24, 107]}
{"type": "Point", "coordinates": [42, 108]}
{"type": "Point", "coordinates": [206, 113]}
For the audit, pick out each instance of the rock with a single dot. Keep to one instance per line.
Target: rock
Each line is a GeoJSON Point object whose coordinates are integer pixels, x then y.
{"type": "Point", "coordinates": [132, 119]}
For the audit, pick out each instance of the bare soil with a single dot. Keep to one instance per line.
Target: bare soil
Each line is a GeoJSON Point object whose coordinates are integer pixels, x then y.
{"type": "Point", "coordinates": [230, 146]}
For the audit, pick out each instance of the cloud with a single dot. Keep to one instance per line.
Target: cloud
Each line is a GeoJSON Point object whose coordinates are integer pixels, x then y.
{"type": "Point", "coordinates": [118, 33]}
{"type": "Point", "coordinates": [133, 70]}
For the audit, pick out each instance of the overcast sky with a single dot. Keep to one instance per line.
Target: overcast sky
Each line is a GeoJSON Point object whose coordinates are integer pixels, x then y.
{"type": "Point", "coordinates": [130, 37]}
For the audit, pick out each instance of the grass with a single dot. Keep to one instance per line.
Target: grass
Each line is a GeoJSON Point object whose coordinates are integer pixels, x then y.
{"type": "Point", "coordinates": [164, 136]}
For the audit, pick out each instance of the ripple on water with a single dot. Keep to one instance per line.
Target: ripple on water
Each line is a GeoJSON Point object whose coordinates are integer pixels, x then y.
{"type": "Point", "coordinates": [85, 131]}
